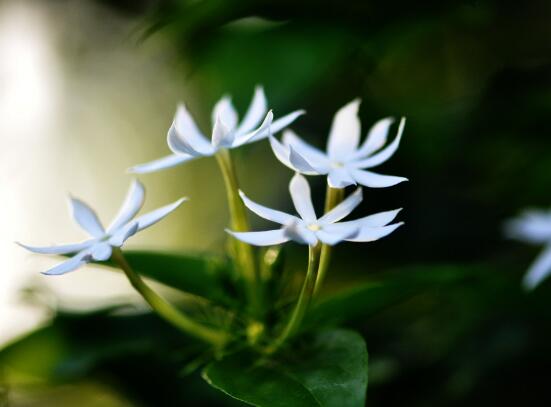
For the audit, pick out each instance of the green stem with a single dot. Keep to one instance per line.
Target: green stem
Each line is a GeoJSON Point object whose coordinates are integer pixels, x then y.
{"type": "Point", "coordinates": [242, 252]}
{"type": "Point", "coordinates": [167, 310]}
{"type": "Point", "coordinates": [333, 197]}
{"type": "Point", "coordinates": [303, 302]}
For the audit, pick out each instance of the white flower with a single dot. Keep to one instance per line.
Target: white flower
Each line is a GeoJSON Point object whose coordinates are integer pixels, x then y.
{"type": "Point", "coordinates": [308, 229]}
{"type": "Point", "coordinates": [345, 162]}
{"type": "Point", "coordinates": [99, 247]}
{"type": "Point", "coordinates": [534, 227]}
{"type": "Point", "coordinates": [187, 142]}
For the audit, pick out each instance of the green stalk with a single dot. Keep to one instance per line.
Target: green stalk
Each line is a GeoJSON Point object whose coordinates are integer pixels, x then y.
{"type": "Point", "coordinates": [333, 197]}
{"type": "Point", "coordinates": [167, 310]}
{"type": "Point", "coordinates": [303, 301]}
{"type": "Point", "coordinates": [242, 252]}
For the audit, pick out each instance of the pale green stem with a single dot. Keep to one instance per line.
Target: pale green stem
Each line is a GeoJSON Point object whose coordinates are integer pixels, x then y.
{"type": "Point", "coordinates": [333, 197]}
{"type": "Point", "coordinates": [242, 252]}
{"type": "Point", "coordinates": [303, 301]}
{"type": "Point", "coordinates": [167, 310]}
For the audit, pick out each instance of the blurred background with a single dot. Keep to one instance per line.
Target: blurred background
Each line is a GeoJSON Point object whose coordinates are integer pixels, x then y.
{"type": "Point", "coordinates": [89, 88]}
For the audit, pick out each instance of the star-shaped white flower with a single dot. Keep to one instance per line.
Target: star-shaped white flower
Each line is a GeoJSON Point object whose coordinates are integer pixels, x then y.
{"type": "Point", "coordinates": [187, 142]}
{"type": "Point", "coordinates": [534, 227]}
{"type": "Point", "coordinates": [99, 247]}
{"type": "Point", "coordinates": [308, 229]}
{"type": "Point", "coordinates": [346, 162]}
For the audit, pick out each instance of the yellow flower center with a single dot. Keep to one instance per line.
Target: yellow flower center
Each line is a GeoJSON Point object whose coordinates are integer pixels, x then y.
{"type": "Point", "coordinates": [314, 227]}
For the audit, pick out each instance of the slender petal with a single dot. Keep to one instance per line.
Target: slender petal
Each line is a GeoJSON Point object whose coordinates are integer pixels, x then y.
{"type": "Point", "coordinates": [285, 121]}
{"type": "Point", "coordinates": [86, 218]}
{"type": "Point", "coordinates": [302, 199]}
{"type": "Point", "coordinates": [335, 236]}
{"type": "Point", "coordinates": [101, 251]}
{"type": "Point", "coordinates": [184, 136]}
{"type": "Point", "coordinates": [72, 264]}
{"type": "Point", "coordinates": [257, 109]}
{"type": "Point", "coordinates": [385, 153]}
{"type": "Point", "coordinates": [340, 178]}
{"type": "Point", "coordinates": [376, 138]}
{"type": "Point", "coordinates": [61, 249]}
{"type": "Point", "coordinates": [531, 227]}
{"type": "Point", "coordinates": [368, 234]}
{"type": "Point", "coordinates": [307, 151]}
{"type": "Point", "coordinates": [222, 136]}
{"type": "Point", "coordinates": [263, 130]}
{"type": "Point", "coordinates": [267, 213]}
{"type": "Point", "coordinates": [123, 234]}
{"type": "Point", "coordinates": [343, 209]}
{"type": "Point", "coordinates": [225, 111]}
{"type": "Point", "coordinates": [155, 216]}
{"type": "Point", "coordinates": [265, 238]}
{"type": "Point", "coordinates": [131, 206]}
{"type": "Point", "coordinates": [374, 180]}
{"type": "Point", "coordinates": [282, 153]}
{"type": "Point", "coordinates": [379, 219]}
{"type": "Point", "coordinates": [344, 136]}
{"type": "Point", "coordinates": [161, 164]}
{"type": "Point", "coordinates": [303, 165]}
{"type": "Point", "coordinates": [539, 270]}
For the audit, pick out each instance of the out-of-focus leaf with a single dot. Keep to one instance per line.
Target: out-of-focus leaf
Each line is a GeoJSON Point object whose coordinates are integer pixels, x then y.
{"type": "Point", "coordinates": [74, 344]}
{"type": "Point", "coordinates": [383, 291]}
{"type": "Point", "coordinates": [206, 275]}
{"type": "Point", "coordinates": [329, 369]}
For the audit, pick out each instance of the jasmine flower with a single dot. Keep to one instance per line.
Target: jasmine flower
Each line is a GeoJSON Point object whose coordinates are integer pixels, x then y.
{"type": "Point", "coordinates": [345, 162]}
{"type": "Point", "coordinates": [308, 229]}
{"type": "Point", "coordinates": [99, 246]}
{"type": "Point", "coordinates": [187, 142]}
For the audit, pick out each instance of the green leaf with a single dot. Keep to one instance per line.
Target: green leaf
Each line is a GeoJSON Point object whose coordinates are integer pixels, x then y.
{"type": "Point", "coordinates": [383, 291]}
{"type": "Point", "coordinates": [204, 275]}
{"type": "Point", "coordinates": [328, 369]}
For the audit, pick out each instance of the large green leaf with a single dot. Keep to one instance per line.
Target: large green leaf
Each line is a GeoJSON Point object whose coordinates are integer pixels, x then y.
{"type": "Point", "coordinates": [328, 369]}
{"type": "Point", "coordinates": [386, 290]}
{"type": "Point", "coordinates": [203, 275]}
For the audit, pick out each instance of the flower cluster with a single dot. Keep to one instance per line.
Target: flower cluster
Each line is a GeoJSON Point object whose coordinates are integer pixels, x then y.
{"type": "Point", "coordinates": [345, 163]}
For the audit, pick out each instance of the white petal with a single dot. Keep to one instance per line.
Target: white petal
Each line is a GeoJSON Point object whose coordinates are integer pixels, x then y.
{"type": "Point", "coordinates": [265, 238]}
{"type": "Point", "coordinates": [86, 218]}
{"type": "Point", "coordinates": [306, 150]}
{"type": "Point", "coordinates": [303, 165]}
{"type": "Point", "coordinates": [531, 227]}
{"type": "Point", "coordinates": [332, 237]}
{"type": "Point", "coordinates": [344, 136]}
{"type": "Point", "coordinates": [283, 153]}
{"type": "Point", "coordinates": [184, 136]}
{"type": "Point", "coordinates": [161, 164]}
{"type": "Point", "coordinates": [260, 133]}
{"type": "Point", "coordinates": [123, 234]}
{"type": "Point", "coordinates": [61, 249]}
{"type": "Point", "coordinates": [376, 138]}
{"type": "Point", "coordinates": [226, 112]}
{"type": "Point", "coordinates": [379, 219]}
{"type": "Point", "coordinates": [340, 178]}
{"type": "Point", "coordinates": [286, 120]}
{"type": "Point", "coordinates": [101, 251]}
{"type": "Point", "coordinates": [132, 204]}
{"type": "Point", "coordinates": [222, 136]}
{"type": "Point", "coordinates": [265, 212]}
{"type": "Point", "coordinates": [257, 109]}
{"type": "Point", "coordinates": [302, 198]}
{"type": "Point", "coordinates": [298, 232]}
{"type": "Point", "coordinates": [539, 270]}
{"type": "Point", "coordinates": [369, 234]}
{"type": "Point", "coordinates": [374, 180]}
{"type": "Point", "coordinates": [343, 209]}
{"type": "Point", "coordinates": [72, 264]}
{"type": "Point", "coordinates": [384, 154]}
{"type": "Point", "coordinates": [155, 216]}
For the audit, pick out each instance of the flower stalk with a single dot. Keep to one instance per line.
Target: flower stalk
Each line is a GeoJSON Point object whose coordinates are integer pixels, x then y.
{"type": "Point", "coordinates": [333, 197]}
{"type": "Point", "coordinates": [167, 310]}
{"type": "Point", "coordinates": [242, 252]}
{"type": "Point", "coordinates": [303, 301]}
